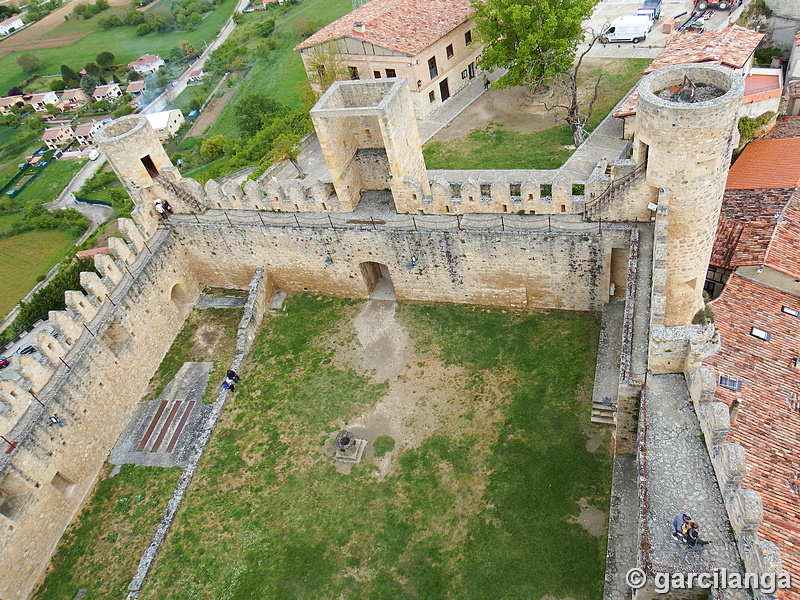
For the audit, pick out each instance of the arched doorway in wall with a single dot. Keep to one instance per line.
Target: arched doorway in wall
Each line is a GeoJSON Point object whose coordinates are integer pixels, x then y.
{"type": "Point", "coordinates": [180, 298]}
{"type": "Point", "coordinates": [378, 281]}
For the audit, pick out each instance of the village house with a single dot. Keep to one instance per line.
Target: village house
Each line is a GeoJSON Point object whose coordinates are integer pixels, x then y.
{"type": "Point", "coordinates": [84, 133]}
{"type": "Point", "coordinates": [146, 64]}
{"type": "Point", "coordinates": [39, 102]}
{"type": "Point", "coordinates": [755, 269]}
{"type": "Point", "coordinates": [55, 137]}
{"type": "Point", "coordinates": [166, 123]}
{"type": "Point", "coordinates": [11, 24]}
{"type": "Point", "coordinates": [7, 102]}
{"type": "Point", "coordinates": [72, 99]}
{"type": "Point", "coordinates": [732, 47]}
{"type": "Point", "coordinates": [429, 42]}
{"type": "Point", "coordinates": [135, 88]}
{"type": "Point", "coordinates": [196, 76]}
{"type": "Point", "coordinates": [106, 92]}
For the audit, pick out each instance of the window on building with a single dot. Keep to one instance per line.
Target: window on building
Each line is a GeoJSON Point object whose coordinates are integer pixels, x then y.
{"type": "Point", "coordinates": [760, 334]}
{"type": "Point", "coordinates": [468, 37]}
{"type": "Point", "coordinates": [730, 383]}
{"type": "Point", "coordinates": [449, 51]}
{"type": "Point", "coordinates": [391, 73]}
{"type": "Point", "coordinates": [791, 311]}
{"type": "Point", "coordinates": [376, 74]}
{"type": "Point", "coordinates": [431, 96]}
{"type": "Point", "coordinates": [432, 67]}
{"type": "Point", "coordinates": [353, 72]}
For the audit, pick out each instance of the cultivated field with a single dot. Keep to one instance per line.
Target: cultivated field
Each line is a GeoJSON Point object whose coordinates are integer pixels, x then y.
{"type": "Point", "coordinates": [26, 257]}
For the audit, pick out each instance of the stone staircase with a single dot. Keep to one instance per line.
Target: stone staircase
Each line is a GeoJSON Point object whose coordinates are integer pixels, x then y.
{"type": "Point", "coordinates": [604, 411]}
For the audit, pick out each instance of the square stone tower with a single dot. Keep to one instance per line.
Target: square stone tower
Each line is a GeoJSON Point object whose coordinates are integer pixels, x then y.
{"type": "Point", "coordinates": [370, 141]}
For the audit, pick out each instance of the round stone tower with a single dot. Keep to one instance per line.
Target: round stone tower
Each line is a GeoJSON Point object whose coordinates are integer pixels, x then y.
{"type": "Point", "coordinates": [139, 160]}
{"type": "Point", "coordinates": [686, 129]}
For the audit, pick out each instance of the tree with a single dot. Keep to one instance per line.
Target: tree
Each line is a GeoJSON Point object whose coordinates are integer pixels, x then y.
{"type": "Point", "coordinates": [326, 65]}
{"type": "Point", "coordinates": [15, 91]}
{"type": "Point", "coordinates": [189, 52]}
{"type": "Point", "coordinates": [533, 40]}
{"type": "Point", "coordinates": [286, 148]}
{"type": "Point", "coordinates": [70, 77]}
{"type": "Point", "coordinates": [88, 83]}
{"type": "Point", "coordinates": [28, 62]}
{"type": "Point", "coordinates": [213, 147]}
{"type": "Point", "coordinates": [105, 59]}
{"type": "Point", "coordinates": [567, 97]}
{"type": "Point", "coordinates": [57, 85]}
{"type": "Point", "coordinates": [93, 69]}
{"type": "Point", "coordinates": [256, 111]}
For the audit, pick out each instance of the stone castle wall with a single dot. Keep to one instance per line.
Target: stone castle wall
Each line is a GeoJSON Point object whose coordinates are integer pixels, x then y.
{"type": "Point", "coordinates": [111, 346]}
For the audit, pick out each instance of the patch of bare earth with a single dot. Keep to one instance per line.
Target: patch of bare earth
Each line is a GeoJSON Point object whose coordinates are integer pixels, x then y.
{"type": "Point", "coordinates": [209, 115]}
{"type": "Point", "coordinates": [425, 396]}
{"type": "Point", "coordinates": [592, 519]}
{"type": "Point", "coordinates": [513, 110]}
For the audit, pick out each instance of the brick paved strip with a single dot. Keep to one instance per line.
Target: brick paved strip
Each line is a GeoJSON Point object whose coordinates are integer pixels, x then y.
{"type": "Point", "coordinates": [163, 433]}
{"type": "Point", "coordinates": [152, 426]}
{"type": "Point", "coordinates": [181, 424]}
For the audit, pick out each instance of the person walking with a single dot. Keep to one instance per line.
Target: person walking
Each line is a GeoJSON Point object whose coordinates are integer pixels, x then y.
{"type": "Point", "coordinates": [693, 537]}
{"type": "Point", "coordinates": [485, 81]}
{"type": "Point", "coordinates": [160, 210]}
{"type": "Point", "coordinates": [231, 374]}
{"type": "Point", "coordinates": [681, 525]}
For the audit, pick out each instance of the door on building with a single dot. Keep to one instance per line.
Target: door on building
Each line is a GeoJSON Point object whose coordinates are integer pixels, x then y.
{"type": "Point", "coordinates": [471, 70]}
{"type": "Point", "coordinates": [444, 89]}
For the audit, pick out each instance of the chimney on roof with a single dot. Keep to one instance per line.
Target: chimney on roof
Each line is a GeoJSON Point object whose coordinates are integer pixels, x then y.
{"type": "Point", "coordinates": [359, 27]}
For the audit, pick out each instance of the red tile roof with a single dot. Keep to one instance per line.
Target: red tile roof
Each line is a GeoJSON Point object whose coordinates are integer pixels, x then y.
{"type": "Point", "coordinates": [766, 163]}
{"type": "Point", "coordinates": [766, 426]}
{"type": "Point", "coordinates": [730, 46]}
{"type": "Point", "coordinates": [749, 223]}
{"type": "Point", "coordinates": [405, 26]}
{"type": "Point", "coordinates": [787, 127]}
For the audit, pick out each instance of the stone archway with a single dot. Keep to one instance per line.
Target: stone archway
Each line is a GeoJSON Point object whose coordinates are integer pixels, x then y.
{"type": "Point", "coordinates": [180, 298]}
{"type": "Point", "coordinates": [378, 281]}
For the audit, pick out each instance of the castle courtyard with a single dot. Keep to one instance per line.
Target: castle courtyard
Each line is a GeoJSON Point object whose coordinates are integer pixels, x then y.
{"type": "Point", "coordinates": [482, 476]}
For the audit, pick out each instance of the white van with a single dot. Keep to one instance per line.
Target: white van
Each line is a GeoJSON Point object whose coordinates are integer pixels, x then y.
{"type": "Point", "coordinates": [633, 28]}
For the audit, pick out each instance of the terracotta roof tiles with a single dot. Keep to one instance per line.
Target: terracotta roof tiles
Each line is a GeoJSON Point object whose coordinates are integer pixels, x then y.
{"type": "Point", "coordinates": [768, 423]}
{"type": "Point", "coordinates": [766, 163]}
{"type": "Point", "coordinates": [405, 26]}
{"type": "Point", "coordinates": [731, 46]}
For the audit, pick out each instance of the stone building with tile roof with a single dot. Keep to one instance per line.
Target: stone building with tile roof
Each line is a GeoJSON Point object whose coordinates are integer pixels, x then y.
{"type": "Point", "coordinates": [757, 248]}
{"type": "Point", "coordinates": [732, 47]}
{"type": "Point", "coordinates": [429, 42]}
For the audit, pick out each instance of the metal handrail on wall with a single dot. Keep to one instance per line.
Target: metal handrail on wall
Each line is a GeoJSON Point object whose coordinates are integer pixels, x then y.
{"type": "Point", "coordinates": [612, 189]}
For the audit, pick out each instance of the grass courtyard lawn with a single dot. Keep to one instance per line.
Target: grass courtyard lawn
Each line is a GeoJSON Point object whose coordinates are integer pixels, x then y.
{"type": "Point", "coordinates": [494, 147]}
{"type": "Point", "coordinates": [101, 550]}
{"type": "Point", "coordinates": [497, 146]}
{"type": "Point", "coordinates": [478, 499]}
{"type": "Point", "coordinates": [208, 335]}
{"type": "Point", "coordinates": [122, 41]}
{"type": "Point", "coordinates": [26, 257]}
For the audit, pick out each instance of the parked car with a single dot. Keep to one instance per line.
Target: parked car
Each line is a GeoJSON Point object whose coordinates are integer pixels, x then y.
{"type": "Point", "coordinates": [3, 362]}
{"type": "Point", "coordinates": [26, 349]}
{"type": "Point", "coordinates": [94, 154]}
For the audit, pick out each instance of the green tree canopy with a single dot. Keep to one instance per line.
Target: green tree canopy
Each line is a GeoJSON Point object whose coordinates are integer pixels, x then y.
{"type": "Point", "coordinates": [534, 40]}
{"type": "Point", "coordinates": [88, 83]}
{"type": "Point", "coordinates": [70, 77]}
{"type": "Point", "coordinates": [105, 59]}
{"type": "Point", "coordinates": [28, 62]}
{"type": "Point", "coordinates": [255, 111]}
